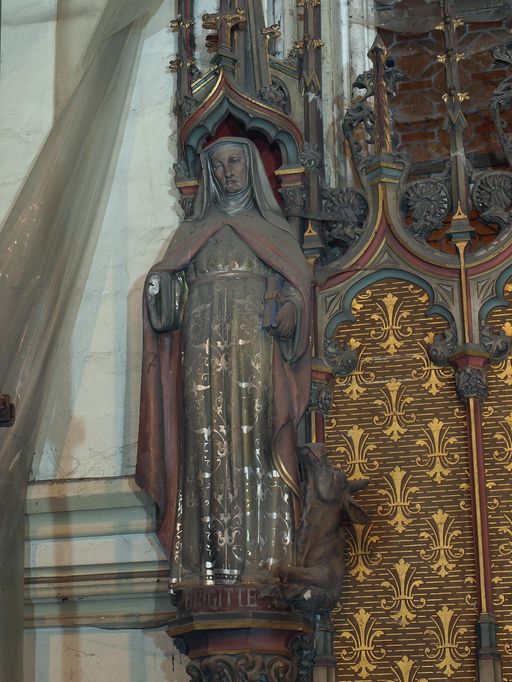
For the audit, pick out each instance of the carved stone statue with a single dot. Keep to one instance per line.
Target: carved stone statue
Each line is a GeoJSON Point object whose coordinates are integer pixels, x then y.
{"type": "Point", "coordinates": [225, 377]}
{"type": "Point", "coordinates": [328, 503]}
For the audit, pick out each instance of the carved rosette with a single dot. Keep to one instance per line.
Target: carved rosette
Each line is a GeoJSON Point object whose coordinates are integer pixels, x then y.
{"type": "Point", "coordinates": [341, 358]}
{"type": "Point", "coordinates": [345, 212]}
{"type": "Point", "coordinates": [426, 203]}
{"type": "Point", "coordinates": [492, 197]}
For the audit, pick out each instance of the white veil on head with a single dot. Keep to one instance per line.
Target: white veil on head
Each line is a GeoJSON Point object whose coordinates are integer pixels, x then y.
{"type": "Point", "coordinates": [258, 192]}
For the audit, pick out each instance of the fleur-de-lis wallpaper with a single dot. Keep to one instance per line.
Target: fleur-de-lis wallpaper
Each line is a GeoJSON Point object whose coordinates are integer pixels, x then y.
{"type": "Point", "coordinates": [498, 448]}
{"type": "Point", "coordinates": [408, 609]}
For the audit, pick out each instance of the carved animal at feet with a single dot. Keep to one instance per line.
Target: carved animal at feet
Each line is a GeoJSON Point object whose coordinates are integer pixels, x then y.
{"type": "Point", "coordinates": [327, 506]}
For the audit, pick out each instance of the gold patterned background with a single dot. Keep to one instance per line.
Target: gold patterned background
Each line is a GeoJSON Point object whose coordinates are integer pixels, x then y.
{"type": "Point", "coordinates": [409, 607]}
{"type": "Point", "coordinates": [498, 457]}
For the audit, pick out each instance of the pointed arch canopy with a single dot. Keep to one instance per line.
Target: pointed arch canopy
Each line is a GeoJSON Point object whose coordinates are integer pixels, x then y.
{"type": "Point", "coordinates": [225, 100]}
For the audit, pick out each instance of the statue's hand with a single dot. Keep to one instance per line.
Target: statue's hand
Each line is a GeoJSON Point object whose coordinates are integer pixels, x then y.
{"type": "Point", "coordinates": [286, 320]}
{"type": "Point", "coordinates": [154, 285]}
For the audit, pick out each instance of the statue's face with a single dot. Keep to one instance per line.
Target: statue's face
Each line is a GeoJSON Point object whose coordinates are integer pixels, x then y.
{"type": "Point", "coordinates": [230, 168]}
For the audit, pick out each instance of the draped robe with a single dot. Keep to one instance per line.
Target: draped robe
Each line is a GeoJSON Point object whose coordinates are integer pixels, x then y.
{"type": "Point", "coordinates": [221, 398]}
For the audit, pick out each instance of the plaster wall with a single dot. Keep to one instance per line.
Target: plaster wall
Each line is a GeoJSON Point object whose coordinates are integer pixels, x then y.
{"type": "Point", "coordinates": [89, 425]}
{"type": "Point", "coordinates": [27, 70]}
{"type": "Point", "coordinates": [91, 654]}
{"type": "Point", "coordinates": [90, 420]}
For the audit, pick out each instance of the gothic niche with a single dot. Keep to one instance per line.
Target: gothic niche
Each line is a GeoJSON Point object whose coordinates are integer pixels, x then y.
{"type": "Point", "coordinates": [248, 520]}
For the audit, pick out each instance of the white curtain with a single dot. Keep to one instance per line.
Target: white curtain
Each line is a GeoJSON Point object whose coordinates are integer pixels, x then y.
{"type": "Point", "coordinates": [46, 246]}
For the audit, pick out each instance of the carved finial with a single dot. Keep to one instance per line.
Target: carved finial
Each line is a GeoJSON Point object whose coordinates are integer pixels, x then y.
{"type": "Point", "coordinates": [455, 122]}
{"type": "Point", "coordinates": [378, 54]}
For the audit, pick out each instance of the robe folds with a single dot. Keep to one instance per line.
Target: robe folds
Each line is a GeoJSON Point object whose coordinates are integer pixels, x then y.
{"type": "Point", "coordinates": [162, 427]}
{"type": "Point", "coordinates": [221, 393]}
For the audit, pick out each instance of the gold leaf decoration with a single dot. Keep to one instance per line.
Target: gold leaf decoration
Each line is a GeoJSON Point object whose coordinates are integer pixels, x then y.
{"type": "Point", "coordinates": [448, 651]}
{"type": "Point", "coordinates": [362, 653]}
{"type": "Point", "coordinates": [508, 645]}
{"type": "Point", "coordinates": [404, 672]}
{"type": "Point", "coordinates": [356, 464]}
{"type": "Point", "coordinates": [504, 371]}
{"type": "Point", "coordinates": [505, 548]}
{"type": "Point", "coordinates": [433, 376]}
{"type": "Point", "coordinates": [362, 557]}
{"type": "Point", "coordinates": [391, 318]}
{"type": "Point", "coordinates": [355, 384]}
{"type": "Point", "coordinates": [504, 454]}
{"type": "Point", "coordinates": [395, 418]}
{"type": "Point", "coordinates": [403, 601]}
{"type": "Point", "coordinates": [398, 507]}
{"type": "Point", "coordinates": [441, 552]}
{"type": "Point", "coordinates": [436, 444]}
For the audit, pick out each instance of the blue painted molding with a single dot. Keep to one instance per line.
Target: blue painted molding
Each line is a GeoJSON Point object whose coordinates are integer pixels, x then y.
{"type": "Point", "coordinates": [498, 300]}
{"type": "Point", "coordinates": [345, 315]}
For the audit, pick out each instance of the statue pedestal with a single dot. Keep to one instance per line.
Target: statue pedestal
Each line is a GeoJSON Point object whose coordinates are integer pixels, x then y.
{"type": "Point", "coordinates": [234, 633]}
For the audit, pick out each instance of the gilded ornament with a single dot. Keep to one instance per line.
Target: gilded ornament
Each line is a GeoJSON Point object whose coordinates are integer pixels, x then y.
{"type": "Point", "coordinates": [508, 645]}
{"type": "Point", "coordinates": [436, 444]}
{"type": "Point", "coordinates": [448, 652]}
{"type": "Point", "coordinates": [403, 602]}
{"type": "Point", "coordinates": [503, 455]}
{"type": "Point", "coordinates": [395, 418]}
{"type": "Point", "coordinates": [504, 368]}
{"type": "Point", "coordinates": [362, 652]}
{"type": "Point", "coordinates": [442, 555]}
{"type": "Point", "coordinates": [354, 385]}
{"type": "Point", "coordinates": [505, 549]}
{"type": "Point", "coordinates": [398, 508]}
{"type": "Point", "coordinates": [431, 374]}
{"type": "Point", "coordinates": [403, 671]}
{"type": "Point", "coordinates": [362, 557]}
{"type": "Point", "coordinates": [356, 451]}
{"type": "Point", "coordinates": [391, 318]}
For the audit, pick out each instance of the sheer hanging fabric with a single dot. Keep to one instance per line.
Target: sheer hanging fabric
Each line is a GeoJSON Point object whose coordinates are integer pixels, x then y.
{"type": "Point", "coordinates": [46, 247]}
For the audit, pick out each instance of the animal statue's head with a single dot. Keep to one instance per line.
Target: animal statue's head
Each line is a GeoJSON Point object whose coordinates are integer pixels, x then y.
{"type": "Point", "coordinates": [328, 484]}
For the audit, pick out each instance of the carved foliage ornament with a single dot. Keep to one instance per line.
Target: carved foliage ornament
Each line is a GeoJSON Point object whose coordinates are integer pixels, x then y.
{"type": "Point", "coordinates": [471, 382]}
{"type": "Point", "coordinates": [443, 346]}
{"type": "Point", "coordinates": [242, 668]}
{"type": "Point", "coordinates": [362, 114]}
{"type": "Point", "coordinates": [492, 197]}
{"type": "Point", "coordinates": [427, 203]}
{"type": "Point", "coordinates": [275, 96]}
{"type": "Point", "coordinates": [342, 358]}
{"type": "Point", "coordinates": [293, 196]}
{"type": "Point", "coordinates": [495, 342]}
{"type": "Point", "coordinates": [320, 398]}
{"type": "Point", "coordinates": [346, 212]}
{"type": "Point", "coordinates": [502, 99]}
{"type": "Point", "coordinates": [310, 157]}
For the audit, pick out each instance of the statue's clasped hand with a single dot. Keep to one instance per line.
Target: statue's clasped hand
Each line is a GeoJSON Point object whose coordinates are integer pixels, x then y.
{"type": "Point", "coordinates": [286, 320]}
{"type": "Point", "coordinates": [154, 285]}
